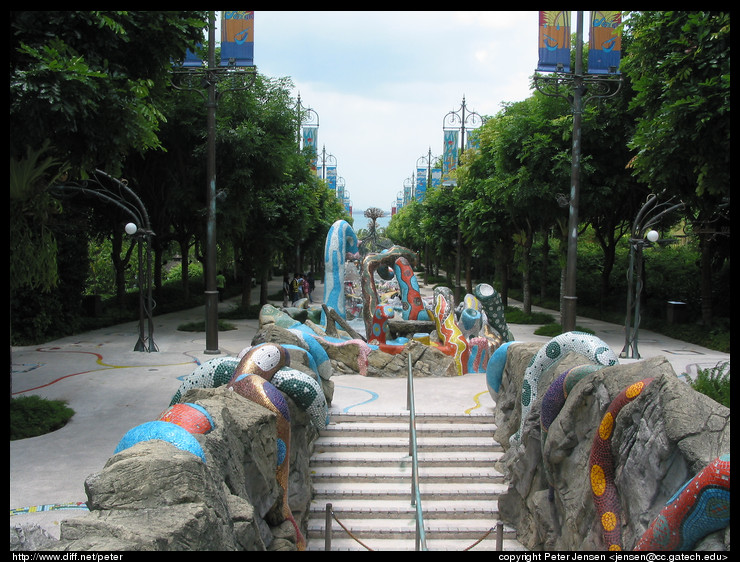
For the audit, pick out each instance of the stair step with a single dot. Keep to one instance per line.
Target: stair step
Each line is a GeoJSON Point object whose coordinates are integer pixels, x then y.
{"type": "Point", "coordinates": [406, 528]}
{"type": "Point", "coordinates": [403, 417]}
{"type": "Point", "coordinates": [341, 544]}
{"type": "Point", "coordinates": [345, 509]}
{"type": "Point", "coordinates": [376, 429]}
{"type": "Point", "coordinates": [361, 466]}
{"type": "Point", "coordinates": [426, 459]}
{"type": "Point", "coordinates": [328, 490]}
{"type": "Point", "coordinates": [423, 444]}
{"type": "Point", "coordinates": [403, 473]}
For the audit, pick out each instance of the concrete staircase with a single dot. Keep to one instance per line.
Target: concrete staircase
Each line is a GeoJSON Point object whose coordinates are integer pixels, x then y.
{"type": "Point", "coordinates": [362, 467]}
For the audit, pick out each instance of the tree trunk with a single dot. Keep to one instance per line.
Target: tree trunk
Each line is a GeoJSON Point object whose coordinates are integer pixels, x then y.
{"type": "Point", "coordinates": [184, 271]}
{"type": "Point", "coordinates": [705, 245]}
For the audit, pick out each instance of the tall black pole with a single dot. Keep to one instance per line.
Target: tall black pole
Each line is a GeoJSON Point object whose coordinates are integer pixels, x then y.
{"type": "Point", "coordinates": [568, 319]}
{"type": "Point", "coordinates": [211, 292]}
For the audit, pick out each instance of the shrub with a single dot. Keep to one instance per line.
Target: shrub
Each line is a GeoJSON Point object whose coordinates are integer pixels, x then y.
{"type": "Point", "coordinates": [714, 382]}
{"type": "Point", "coordinates": [31, 416]}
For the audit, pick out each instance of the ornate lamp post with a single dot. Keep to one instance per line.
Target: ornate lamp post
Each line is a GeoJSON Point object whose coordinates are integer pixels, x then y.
{"type": "Point", "coordinates": [121, 195]}
{"type": "Point", "coordinates": [204, 80]}
{"type": "Point", "coordinates": [424, 162]}
{"type": "Point", "coordinates": [326, 160]}
{"type": "Point", "coordinates": [308, 120]}
{"type": "Point", "coordinates": [472, 120]}
{"type": "Point", "coordinates": [578, 88]}
{"type": "Point", "coordinates": [641, 237]}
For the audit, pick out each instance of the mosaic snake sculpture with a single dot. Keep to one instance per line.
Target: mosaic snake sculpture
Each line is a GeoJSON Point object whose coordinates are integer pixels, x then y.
{"type": "Point", "coordinates": [601, 468]}
{"type": "Point", "coordinates": [261, 375]}
{"type": "Point", "coordinates": [340, 240]}
{"type": "Point", "coordinates": [371, 264]}
{"type": "Point", "coordinates": [550, 355]}
{"type": "Point", "coordinates": [411, 303]}
{"type": "Point", "coordinates": [701, 506]}
{"type": "Point", "coordinates": [494, 308]}
{"type": "Point", "coordinates": [251, 380]}
{"type": "Point", "coordinates": [554, 399]}
{"type": "Point", "coordinates": [453, 341]}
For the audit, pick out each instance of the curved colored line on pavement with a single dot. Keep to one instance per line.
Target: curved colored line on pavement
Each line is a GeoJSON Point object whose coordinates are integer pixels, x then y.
{"type": "Point", "coordinates": [99, 361]}
{"type": "Point", "coordinates": [477, 401]}
{"type": "Point", "coordinates": [373, 396]}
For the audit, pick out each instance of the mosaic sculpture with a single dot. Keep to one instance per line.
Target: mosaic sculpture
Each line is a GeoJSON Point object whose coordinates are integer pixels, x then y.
{"type": "Point", "coordinates": [550, 355]}
{"type": "Point", "coordinates": [340, 240]}
{"type": "Point", "coordinates": [411, 303]}
{"type": "Point", "coordinates": [452, 339]}
{"type": "Point", "coordinates": [495, 369]}
{"type": "Point", "coordinates": [260, 391]}
{"type": "Point", "coordinates": [493, 306]}
{"type": "Point", "coordinates": [162, 431]}
{"type": "Point", "coordinates": [601, 468]}
{"type": "Point", "coordinates": [701, 506]}
{"type": "Point", "coordinates": [372, 263]}
{"type": "Point", "coordinates": [191, 417]}
{"type": "Point", "coordinates": [380, 331]}
{"type": "Point", "coordinates": [210, 374]}
{"type": "Point", "coordinates": [264, 360]}
{"type": "Point", "coordinates": [554, 399]}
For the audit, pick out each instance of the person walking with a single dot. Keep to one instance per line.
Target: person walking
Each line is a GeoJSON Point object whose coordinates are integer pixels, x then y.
{"type": "Point", "coordinates": [304, 282]}
{"type": "Point", "coordinates": [296, 288]}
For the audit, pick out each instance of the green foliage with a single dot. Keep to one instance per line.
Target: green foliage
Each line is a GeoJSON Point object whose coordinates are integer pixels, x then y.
{"type": "Point", "coordinates": [555, 329]}
{"type": "Point", "coordinates": [31, 416]}
{"type": "Point", "coordinates": [714, 382]}
{"type": "Point", "coordinates": [515, 315]}
{"type": "Point", "coordinates": [201, 326]}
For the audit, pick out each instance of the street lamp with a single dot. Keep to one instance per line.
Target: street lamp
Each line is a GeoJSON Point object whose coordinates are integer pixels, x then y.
{"type": "Point", "coordinates": [577, 88]}
{"type": "Point", "coordinates": [308, 125]}
{"type": "Point", "coordinates": [204, 80]}
{"type": "Point", "coordinates": [118, 192]}
{"type": "Point", "coordinates": [642, 236]}
{"type": "Point", "coordinates": [143, 236]}
{"type": "Point", "coordinates": [449, 123]}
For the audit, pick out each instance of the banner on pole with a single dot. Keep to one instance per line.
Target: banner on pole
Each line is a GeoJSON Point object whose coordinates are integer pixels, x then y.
{"type": "Point", "coordinates": [554, 42]}
{"type": "Point", "coordinates": [605, 43]}
{"type": "Point", "coordinates": [237, 38]}
{"type": "Point", "coordinates": [310, 138]}
{"type": "Point", "coordinates": [421, 183]}
{"type": "Point", "coordinates": [331, 177]}
{"type": "Point", "coordinates": [449, 159]}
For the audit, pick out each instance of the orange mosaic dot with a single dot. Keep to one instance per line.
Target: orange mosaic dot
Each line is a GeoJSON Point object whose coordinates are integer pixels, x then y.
{"type": "Point", "coordinates": [635, 389]}
{"type": "Point", "coordinates": [598, 480]}
{"type": "Point", "coordinates": [608, 520]}
{"type": "Point", "coordinates": [606, 426]}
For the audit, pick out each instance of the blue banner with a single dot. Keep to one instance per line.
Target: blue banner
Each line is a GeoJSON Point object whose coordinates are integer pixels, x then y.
{"type": "Point", "coordinates": [554, 42]}
{"type": "Point", "coordinates": [605, 43]}
{"type": "Point", "coordinates": [331, 177]}
{"type": "Point", "coordinates": [310, 140]}
{"type": "Point", "coordinates": [421, 183]}
{"type": "Point", "coordinates": [449, 159]}
{"type": "Point", "coordinates": [237, 38]}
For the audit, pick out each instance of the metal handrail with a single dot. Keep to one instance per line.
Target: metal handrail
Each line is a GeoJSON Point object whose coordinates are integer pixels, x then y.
{"type": "Point", "coordinates": [421, 540]}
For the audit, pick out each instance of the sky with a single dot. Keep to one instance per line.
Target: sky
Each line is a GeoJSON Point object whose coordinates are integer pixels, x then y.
{"type": "Point", "coordinates": [382, 82]}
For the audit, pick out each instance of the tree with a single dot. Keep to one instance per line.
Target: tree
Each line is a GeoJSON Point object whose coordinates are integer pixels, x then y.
{"type": "Point", "coordinates": [679, 64]}
{"type": "Point", "coordinates": [90, 80]}
{"type": "Point", "coordinates": [84, 92]}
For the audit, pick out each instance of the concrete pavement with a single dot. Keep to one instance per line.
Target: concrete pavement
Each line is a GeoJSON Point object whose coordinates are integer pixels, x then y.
{"type": "Point", "coordinates": [113, 388]}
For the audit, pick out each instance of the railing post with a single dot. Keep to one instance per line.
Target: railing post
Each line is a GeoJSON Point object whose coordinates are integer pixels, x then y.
{"type": "Point", "coordinates": [327, 528]}
{"type": "Point", "coordinates": [499, 536]}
